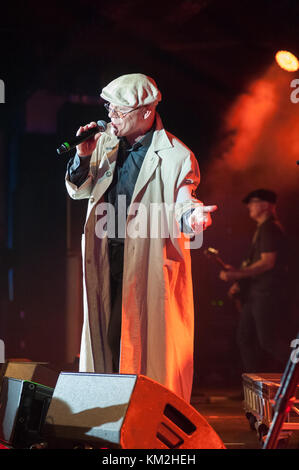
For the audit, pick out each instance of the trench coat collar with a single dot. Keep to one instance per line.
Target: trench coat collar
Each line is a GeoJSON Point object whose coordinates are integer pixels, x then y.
{"type": "Point", "coordinates": [160, 138]}
{"type": "Point", "coordinates": [160, 141]}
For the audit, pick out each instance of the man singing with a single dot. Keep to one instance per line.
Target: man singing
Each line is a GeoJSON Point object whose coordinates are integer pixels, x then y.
{"type": "Point", "coordinates": [138, 300]}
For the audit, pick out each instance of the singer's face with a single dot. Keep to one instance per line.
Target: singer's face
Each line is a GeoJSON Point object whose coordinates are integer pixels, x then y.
{"type": "Point", "coordinates": [132, 124]}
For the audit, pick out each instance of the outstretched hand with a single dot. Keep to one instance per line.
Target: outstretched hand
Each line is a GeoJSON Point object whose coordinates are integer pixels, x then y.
{"type": "Point", "coordinates": [201, 218]}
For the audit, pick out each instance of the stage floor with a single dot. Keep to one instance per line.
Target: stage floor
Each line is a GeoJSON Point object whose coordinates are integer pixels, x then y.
{"type": "Point", "coordinates": [223, 409]}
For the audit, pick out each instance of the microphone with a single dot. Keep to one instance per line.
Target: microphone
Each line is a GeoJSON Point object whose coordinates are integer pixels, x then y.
{"type": "Point", "coordinates": [72, 143]}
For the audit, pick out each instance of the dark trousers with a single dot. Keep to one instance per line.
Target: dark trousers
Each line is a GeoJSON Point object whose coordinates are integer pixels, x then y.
{"type": "Point", "coordinates": [262, 334]}
{"type": "Point", "coordinates": [116, 259]}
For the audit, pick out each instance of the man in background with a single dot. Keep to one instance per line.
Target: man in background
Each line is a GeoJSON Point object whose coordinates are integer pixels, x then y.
{"type": "Point", "coordinates": [262, 284]}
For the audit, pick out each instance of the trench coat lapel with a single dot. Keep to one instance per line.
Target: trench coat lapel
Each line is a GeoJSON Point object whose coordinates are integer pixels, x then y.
{"type": "Point", "coordinates": [152, 158]}
{"type": "Point", "coordinates": [149, 165]}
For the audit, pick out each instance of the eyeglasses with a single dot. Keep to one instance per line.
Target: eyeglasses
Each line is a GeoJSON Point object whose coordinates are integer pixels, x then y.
{"type": "Point", "coordinates": [117, 114]}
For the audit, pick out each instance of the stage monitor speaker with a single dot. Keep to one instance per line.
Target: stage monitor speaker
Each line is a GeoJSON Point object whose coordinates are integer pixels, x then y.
{"type": "Point", "coordinates": [23, 408]}
{"type": "Point", "coordinates": [39, 372]}
{"type": "Point", "coordinates": [123, 411]}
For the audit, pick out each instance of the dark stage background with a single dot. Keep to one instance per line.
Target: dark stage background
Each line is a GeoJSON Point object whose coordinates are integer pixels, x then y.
{"type": "Point", "coordinates": [223, 95]}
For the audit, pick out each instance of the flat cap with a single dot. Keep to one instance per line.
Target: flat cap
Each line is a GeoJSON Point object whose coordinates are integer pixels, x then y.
{"type": "Point", "coordinates": [133, 90]}
{"type": "Point", "coordinates": [262, 194]}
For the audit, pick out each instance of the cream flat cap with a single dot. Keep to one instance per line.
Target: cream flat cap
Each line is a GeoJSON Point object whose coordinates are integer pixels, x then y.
{"type": "Point", "coordinates": [134, 90]}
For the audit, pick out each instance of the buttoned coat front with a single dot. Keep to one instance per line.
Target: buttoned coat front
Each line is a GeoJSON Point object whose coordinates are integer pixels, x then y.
{"type": "Point", "coordinates": [157, 303]}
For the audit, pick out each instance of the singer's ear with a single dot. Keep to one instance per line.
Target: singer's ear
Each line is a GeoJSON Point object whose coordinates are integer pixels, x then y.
{"type": "Point", "coordinates": [147, 114]}
{"type": "Point", "coordinates": [149, 110]}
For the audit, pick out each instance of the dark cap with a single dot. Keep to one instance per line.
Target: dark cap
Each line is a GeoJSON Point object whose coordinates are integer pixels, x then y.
{"type": "Point", "coordinates": [262, 194]}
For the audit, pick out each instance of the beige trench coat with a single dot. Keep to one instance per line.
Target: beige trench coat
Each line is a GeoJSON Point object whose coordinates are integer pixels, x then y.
{"type": "Point", "coordinates": [157, 309]}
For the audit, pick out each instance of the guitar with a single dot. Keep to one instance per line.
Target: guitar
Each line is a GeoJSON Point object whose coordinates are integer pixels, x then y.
{"type": "Point", "coordinates": [243, 284]}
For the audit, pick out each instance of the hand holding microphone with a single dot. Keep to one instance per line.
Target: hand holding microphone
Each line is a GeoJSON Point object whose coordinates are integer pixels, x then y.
{"type": "Point", "coordinates": [87, 146]}
{"type": "Point", "coordinates": [85, 140]}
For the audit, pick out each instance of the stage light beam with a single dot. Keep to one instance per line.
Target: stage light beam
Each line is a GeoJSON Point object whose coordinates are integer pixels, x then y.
{"type": "Point", "coordinates": [287, 61]}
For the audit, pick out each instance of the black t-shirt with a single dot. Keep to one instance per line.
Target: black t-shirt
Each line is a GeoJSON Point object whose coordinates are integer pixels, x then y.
{"type": "Point", "coordinates": [270, 237]}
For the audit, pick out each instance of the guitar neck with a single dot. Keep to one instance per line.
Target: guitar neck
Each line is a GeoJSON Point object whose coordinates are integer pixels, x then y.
{"type": "Point", "coordinates": [212, 253]}
{"type": "Point", "coordinates": [220, 262]}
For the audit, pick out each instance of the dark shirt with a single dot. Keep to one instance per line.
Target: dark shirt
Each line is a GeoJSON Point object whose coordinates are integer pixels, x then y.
{"type": "Point", "coordinates": [270, 237]}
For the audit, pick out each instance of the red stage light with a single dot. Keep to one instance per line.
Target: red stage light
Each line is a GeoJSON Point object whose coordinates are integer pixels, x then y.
{"type": "Point", "coordinates": [287, 61]}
